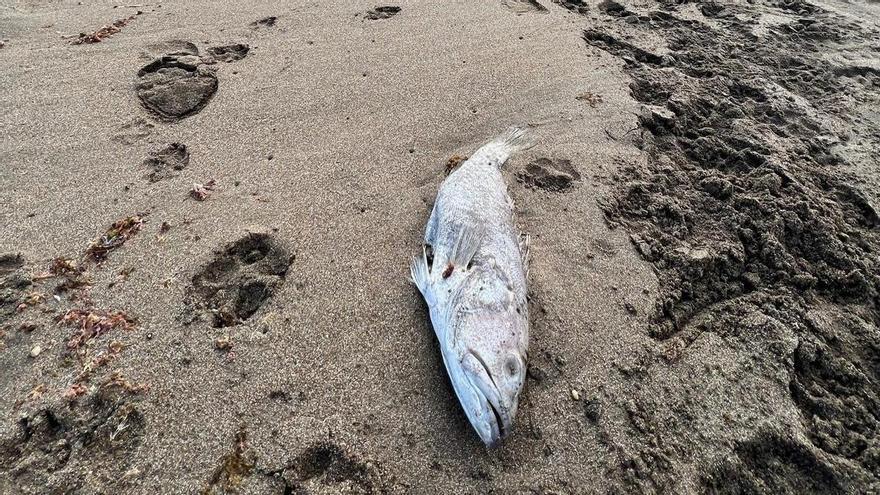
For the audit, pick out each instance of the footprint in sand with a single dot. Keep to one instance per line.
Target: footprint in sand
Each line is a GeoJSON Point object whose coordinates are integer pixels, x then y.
{"type": "Point", "coordinates": [155, 50]}
{"type": "Point", "coordinates": [176, 85]}
{"type": "Point", "coordinates": [265, 22]}
{"type": "Point", "coordinates": [555, 175]}
{"type": "Point", "coordinates": [14, 283]}
{"type": "Point", "coordinates": [383, 12]}
{"type": "Point", "coordinates": [180, 83]}
{"type": "Point", "coordinates": [163, 163]}
{"type": "Point", "coordinates": [239, 279]}
{"type": "Point", "coordinates": [576, 6]}
{"type": "Point", "coordinates": [229, 53]}
{"type": "Point", "coordinates": [133, 131]}
{"type": "Point", "coordinates": [524, 6]}
{"type": "Point", "coordinates": [327, 464]}
{"type": "Point", "coordinates": [49, 440]}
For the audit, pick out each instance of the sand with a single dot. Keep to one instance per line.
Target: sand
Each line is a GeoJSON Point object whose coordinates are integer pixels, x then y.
{"type": "Point", "coordinates": [702, 203]}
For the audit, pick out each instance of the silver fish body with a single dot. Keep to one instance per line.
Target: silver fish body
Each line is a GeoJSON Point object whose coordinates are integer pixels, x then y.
{"type": "Point", "coordinates": [475, 287]}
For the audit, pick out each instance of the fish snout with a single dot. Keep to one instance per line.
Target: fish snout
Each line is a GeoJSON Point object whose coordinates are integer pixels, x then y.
{"type": "Point", "coordinates": [499, 395]}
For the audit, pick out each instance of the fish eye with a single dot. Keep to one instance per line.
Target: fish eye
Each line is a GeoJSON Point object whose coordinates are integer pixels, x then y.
{"type": "Point", "coordinates": [512, 366]}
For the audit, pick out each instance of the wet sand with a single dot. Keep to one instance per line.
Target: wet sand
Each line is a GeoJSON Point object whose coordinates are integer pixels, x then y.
{"type": "Point", "coordinates": [702, 204]}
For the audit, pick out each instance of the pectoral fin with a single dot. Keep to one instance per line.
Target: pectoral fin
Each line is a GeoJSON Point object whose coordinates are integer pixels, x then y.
{"type": "Point", "coordinates": [431, 228]}
{"type": "Point", "coordinates": [421, 277]}
{"type": "Point", "coordinates": [466, 245]}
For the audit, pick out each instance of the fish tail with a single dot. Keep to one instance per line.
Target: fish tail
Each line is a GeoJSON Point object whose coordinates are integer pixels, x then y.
{"type": "Point", "coordinates": [497, 151]}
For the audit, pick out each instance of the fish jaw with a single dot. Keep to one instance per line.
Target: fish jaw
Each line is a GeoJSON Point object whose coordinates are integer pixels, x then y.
{"type": "Point", "coordinates": [481, 337]}
{"type": "Point", "coordinates": [488, 397]}
{"type": "Point", "coordinates": [491, 422]}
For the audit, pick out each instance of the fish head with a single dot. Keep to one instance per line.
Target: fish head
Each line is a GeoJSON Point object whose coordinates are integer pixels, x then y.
{"type": "Point", "coordinates": [491, 371]}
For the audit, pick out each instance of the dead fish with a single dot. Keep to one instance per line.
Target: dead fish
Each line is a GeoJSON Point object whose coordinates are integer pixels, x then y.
{"type": "Point", "coordinates": [472, 274]}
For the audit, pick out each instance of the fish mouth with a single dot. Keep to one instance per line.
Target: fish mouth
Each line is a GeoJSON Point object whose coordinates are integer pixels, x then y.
{"type": "Point", "coordinates": [493, 397]}
{"type": "Point", "coordinates": [482, 401]}
{"type": "Point", "coordinates": [494, 421]}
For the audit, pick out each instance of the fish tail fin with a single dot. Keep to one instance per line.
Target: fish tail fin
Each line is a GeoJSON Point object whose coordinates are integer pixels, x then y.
{"type": "Point", "coordinates": [497, 151]}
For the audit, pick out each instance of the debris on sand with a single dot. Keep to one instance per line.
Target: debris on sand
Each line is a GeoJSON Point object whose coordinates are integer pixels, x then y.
{"type": "Point", "coordinates": [383, 12]}
{"type": "Point", "coordinates": [200, 192]}
{"type": "Point", "coordinates": [91, 364]}
{"type": "Point", "coordinates": [104, 32]}
{"type": "Point", "coordinates": [32, 298]}
{"type": "Point", "coordinates": [117, 380]}
{"type": "Point", "coordinates": [91, 324]}
{"type": "Point", "coordinates": [62, 266]}
{"type": "Point", "coordinates": [163, 229]}
{"type": "Point", "coordinates": [72, 274]}
{"type": "Point", "coordinates": [592, 99]}
{"type": "Point", "coordinates": [121, 276]}
{"type": "Point", "coordinates": [223, 343]}
{"type": "Point", "coordinates": [233, 468]}
{"type": "Point", "coordinates": [37, 391]}
{"type": "Point", "coordinates": [114, 237]}
{"type": "Point", "coordinates": [265, 22]}
{"type": "Point", "coordinates": [453, 163]}
{"type": "Point", "coordinates": [74, 391]}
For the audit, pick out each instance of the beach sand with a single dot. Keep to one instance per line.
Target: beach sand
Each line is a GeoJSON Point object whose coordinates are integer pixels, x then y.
{"type": "Point", "coordinates": [689, 331]}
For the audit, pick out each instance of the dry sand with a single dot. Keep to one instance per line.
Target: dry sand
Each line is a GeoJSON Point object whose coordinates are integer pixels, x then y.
{"type": "Point", "coordinates": [266, 340]}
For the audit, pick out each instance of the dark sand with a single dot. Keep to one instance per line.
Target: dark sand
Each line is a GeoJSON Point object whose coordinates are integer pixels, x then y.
{"type": "Point", "coordinates": [703, 205]}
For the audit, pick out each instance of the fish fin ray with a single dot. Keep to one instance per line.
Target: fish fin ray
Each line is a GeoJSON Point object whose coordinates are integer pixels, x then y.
{"type": "Point", "coordinates": [431, 228]}
{"type": "Point", "coordinates": [466, 245]}
{"type": "Point", "coordinates": [498, 150]}
{"type": "Point", "coordinates": [421, 277]}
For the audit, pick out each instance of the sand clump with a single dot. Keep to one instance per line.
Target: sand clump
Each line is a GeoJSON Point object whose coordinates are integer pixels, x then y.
{"type": "Point", "coordinates": [758, 236]}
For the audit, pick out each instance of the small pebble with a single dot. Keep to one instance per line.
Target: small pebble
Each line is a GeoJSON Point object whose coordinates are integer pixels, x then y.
{"type": "Point", "coordinates": [36, 350]}
{"type": "Point", "coordinates": [132, 473]}
{"type": "Point", "coordinates": [575, 394]}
